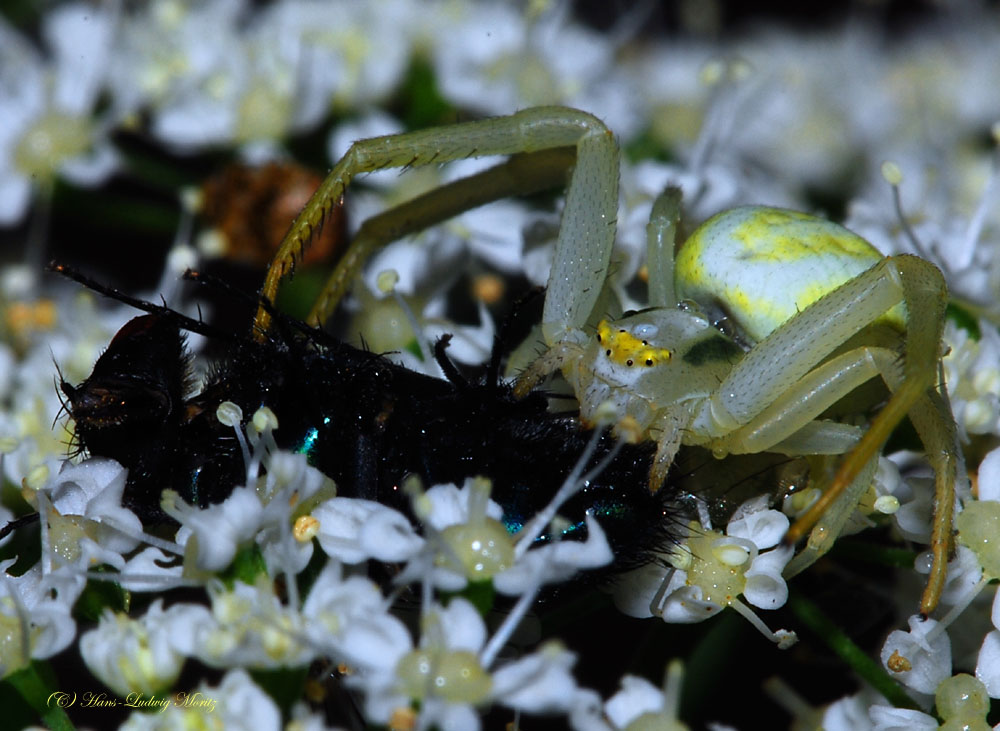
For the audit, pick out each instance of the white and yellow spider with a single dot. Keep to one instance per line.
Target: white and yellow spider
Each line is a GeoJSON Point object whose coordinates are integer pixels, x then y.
{"type": "Point", "coordinates": [817, 309]}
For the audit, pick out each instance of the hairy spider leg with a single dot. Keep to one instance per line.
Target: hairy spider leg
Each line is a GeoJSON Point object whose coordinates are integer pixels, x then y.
{"type": "Point", "coordinates": [587, 233]}
{"type": "Point", "coordinates": [788, 353]}
{"type": "Point", "coordinates": [522, 174]}
{"type": "Point", "coordinates": [921, 286]}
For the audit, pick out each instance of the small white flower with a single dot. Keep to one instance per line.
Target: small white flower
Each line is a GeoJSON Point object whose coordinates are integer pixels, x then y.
{"type": "Point", "coordinates": [556, 561]}
{"type": "Point", "coordinates": [467, 541]}
{"type": "Point", "coordinates": [46, 128]}
{"type": "Point", "coordinates": [495, 59]}
{"type": "Point", "coordinates": [350, 620]}
{"type": "Point", "coordinates": [36, 613]}
{"type": "Point", "coordinates": [353, 531]}
{"type": "Point", "coordinates": [636, 697]}
{"type": "Point", "coordinates": [972, 375]}
{"type": "Point", "coordinates": [443, 673]}
{"type": "Point", "coordinates": [290, 486]}
{"type": "Point", "coordinates": [237, 703]}
{"type": "Point", "coordinates": [639, 704]}
{"type": "Point", "coordinates": [250, 627]}
{"type": "Point", "coordinates": [720, 568]}
{"type": "Point", "coordinates": [218, 531]}
{"type": "Point", "coordinates": [541, 682]}
{"type": "Point", "coordinates": [86, 522]}
{"type": "Point", "coordinates": [919, 658]}
{"type": "Point", "coordinates": [142, 655]}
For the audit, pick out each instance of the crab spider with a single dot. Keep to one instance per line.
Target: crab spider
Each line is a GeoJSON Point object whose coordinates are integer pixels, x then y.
{"type": "Point", "coordinates": [819, 312]}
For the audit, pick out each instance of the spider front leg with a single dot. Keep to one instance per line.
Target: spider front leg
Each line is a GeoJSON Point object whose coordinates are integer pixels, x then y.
{"type": "Point", "coordinates": [584, 245]}
{"type": "Point", "coordinates": [568, 351]}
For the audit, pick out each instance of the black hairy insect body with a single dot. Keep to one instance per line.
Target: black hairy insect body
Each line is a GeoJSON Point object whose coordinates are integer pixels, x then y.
{"type": "Point", "coordinates": [362, 420]}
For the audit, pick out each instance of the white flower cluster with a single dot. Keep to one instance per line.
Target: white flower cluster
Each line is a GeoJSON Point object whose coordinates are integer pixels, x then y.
{"type": "Point", "coordinates": [451, 671]}
{"type": "Point", "coordinates": [901, 136]}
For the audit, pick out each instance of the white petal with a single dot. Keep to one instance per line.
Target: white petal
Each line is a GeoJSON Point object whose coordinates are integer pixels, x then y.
{"type": "Point", "coordinates": [77, 484]}
{"type": "Point", "coordinates": [539, 683]}
{"type": "Point", "coordinates": [887, 718]}
{"type": "Point", "coordinates": [93, 169]}
{"type": "Point", "coordinates": [80, 36]}
{"type": "Point", "coordinates": [765, 528]}
{"type": "Point", "coordinates": [455, 717]}
{"type": "Point", "coordinates": [388, 536]}
{"type": "Point", "coordinates": [556, 562]}
{"type": "Point", "coordinates": [344, 536]}
{"type": "Point", "coordinates": [241, 704]}
{"type": "Point", "coordinates": [375, 642]}
{"type": "Point", "coordinates": [15, 194]}
{"type": "Point", "coordinates": [193, 123]}
{"type": "Point", "coordinates": [914, 516]}
{"type": "Point", "coordinates": [989, 476]}
{"type": "Point", "coordinates": [685, 605]}
{"type": "Point", "coordinates": [964, 573]}
{"type": "Point", "coordinates": [765, 586]}
{"type": "Point", "coordinates": [184, 626]}
{"type": "Point", "coordinates": [463, 626]}
{"type": "Point", "coordinates": [637, 696]}
{"type": "Point", "coordinates": [634, 590]}
{"type": "Point", "coordinates": [988, 664]}
{"type": "Point", "coordinates": [847, 714]}
{"type": "Point", "coordinates": [149, 572]}
{"type": "Point", "coordinates": [450, 505]}
{"type": "Point", "coordinates": [585, 712]}
{"type": "Point", "coordinates": [929, 658]}
{"type": "Point", "coordinates": [222, 528]}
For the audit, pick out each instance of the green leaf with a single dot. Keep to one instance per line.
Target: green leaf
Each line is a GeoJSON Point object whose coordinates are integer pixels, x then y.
{"type": "Point", "coordinates": [98, 595]}
{"type": "Point", "coordinates": [420, 100]}
{"type": "Point", "coordinates": [246, 567]}
{"type": "Point", "coordinates": [285, 685]}
{"type": "Point", "coordinates": [964, 319]}
{"type": "Point", "coordinates": [31, 693]}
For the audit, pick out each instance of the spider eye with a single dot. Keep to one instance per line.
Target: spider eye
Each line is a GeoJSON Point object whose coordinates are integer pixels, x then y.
{"type": "Point", "coordinates": [649, 361]}
{"type": "Point", "coordinates": [628, 362]}
{"type": "Point", "coordinates": [608, 352]}
{"type": "Point", "coordinates": [646, 331]}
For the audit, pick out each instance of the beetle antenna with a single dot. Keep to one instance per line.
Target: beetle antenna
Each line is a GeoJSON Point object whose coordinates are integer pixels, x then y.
{"type": "Point", "coordinates": [183, 321]}
{"type": "Point", "coordinates": [18, 523]}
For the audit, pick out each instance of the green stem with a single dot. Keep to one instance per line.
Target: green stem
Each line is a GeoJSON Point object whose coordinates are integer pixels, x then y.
{"type": "Point", "coordinates": [845, 648]}
{"type": "Point", "coordinates": [39, 695]}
